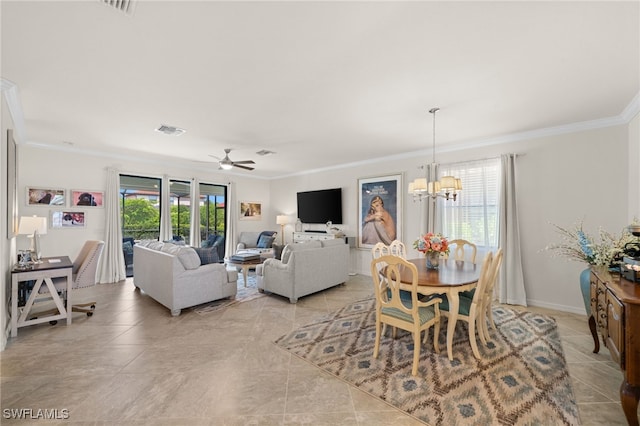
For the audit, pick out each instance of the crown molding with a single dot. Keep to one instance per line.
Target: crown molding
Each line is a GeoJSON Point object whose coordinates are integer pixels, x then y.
{"type": "Point", "coordinates": [10, 92]}
{"type": "Point", "coordinates": [632, 109]}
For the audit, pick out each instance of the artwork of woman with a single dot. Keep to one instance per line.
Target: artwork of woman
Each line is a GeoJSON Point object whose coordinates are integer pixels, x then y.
{"type": "Point", "coordinates": [378, 225]}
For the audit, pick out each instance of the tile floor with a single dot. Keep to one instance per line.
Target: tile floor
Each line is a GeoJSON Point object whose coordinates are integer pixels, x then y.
{"type": "Point", "coordinates": [134, 364]}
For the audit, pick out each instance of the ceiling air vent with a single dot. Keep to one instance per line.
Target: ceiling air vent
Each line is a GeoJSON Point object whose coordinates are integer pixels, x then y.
{"type": "Point", "coordinates": [265, 152]}
{"type": "Point", "coordinates": [124, 6]}
{"type": "Point", "coordinates": [170, 130]}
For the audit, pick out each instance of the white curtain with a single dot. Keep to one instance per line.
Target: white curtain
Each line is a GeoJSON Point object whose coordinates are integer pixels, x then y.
{"type": "Point", "coordinates": [111, 268]}
{"type": "Point", "coordinates": [230, 226]}
{"type": "Point", "coordinates": [166, 232]}
{"type": "Point", "coordinates": [194, 231]}
{"type": "Point", "coordinates": [511, 283]}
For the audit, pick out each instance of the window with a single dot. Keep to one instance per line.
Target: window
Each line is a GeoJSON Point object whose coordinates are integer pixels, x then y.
{"type": "Point", "coordinates": [213, 211]}
{"type": "Point", "coordinates": [140, 207]}
{"type": "Point", "coordinates": [180, 201]}
{"type": "Point", "coordinates": [475, 215]}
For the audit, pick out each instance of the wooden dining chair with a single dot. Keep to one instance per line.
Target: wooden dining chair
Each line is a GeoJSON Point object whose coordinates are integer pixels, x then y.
{"type": "Point", "coordinates": [413, 316]}
{"type": "Point", "coordinates": [397, 248]}
{"type": "Point", "coordinates": [379, 250]}
{"type": "Point", "coordinates": [487, 311]}
{"type": "Point", "coordinates": [462, 250]}
{"type": "Point", "coordinates": [470, 310]}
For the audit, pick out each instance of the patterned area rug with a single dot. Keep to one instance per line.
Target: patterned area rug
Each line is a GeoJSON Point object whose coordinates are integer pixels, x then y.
{"type": "Point", "coordinates": [521, 380]}
{"type": "Point", "coordinates": [244, 294]}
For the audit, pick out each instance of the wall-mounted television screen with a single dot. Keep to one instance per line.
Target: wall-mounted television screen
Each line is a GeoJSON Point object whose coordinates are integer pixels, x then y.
{"type": "Point", "coordinates": [320, 206]}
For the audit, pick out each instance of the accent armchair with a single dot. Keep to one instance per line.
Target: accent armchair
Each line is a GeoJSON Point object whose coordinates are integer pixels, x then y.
{"type": "Point", "coordinates": [84, 275]}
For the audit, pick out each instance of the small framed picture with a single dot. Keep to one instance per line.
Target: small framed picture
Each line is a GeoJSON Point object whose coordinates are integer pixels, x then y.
{"type": "Point", "coordinates": [46, 197]}
{"type": "Point", "coordinates": [84, 198]}
{"type": "Point", "coordinates": [68, 219]}
{"type": "Point", "coordinates": [250, 210]}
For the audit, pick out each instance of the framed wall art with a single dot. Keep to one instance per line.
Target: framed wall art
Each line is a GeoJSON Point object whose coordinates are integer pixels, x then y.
{"type": "Point", "coordinates": [68, 219]}
{"type": "Point", "coordinates": [84, 198]}
{"type": "Point", "coordinates": [379, 210]}
{"type": "Point", "coordinates": [46, 197]}
{"type": "Point", "coordinates": [250, 210]}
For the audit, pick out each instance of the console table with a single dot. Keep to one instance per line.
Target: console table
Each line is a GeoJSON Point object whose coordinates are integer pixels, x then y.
{"type": "Point", "coordinates": [51, 267]}
{"type": "Point", "coordinates": [615, 303]}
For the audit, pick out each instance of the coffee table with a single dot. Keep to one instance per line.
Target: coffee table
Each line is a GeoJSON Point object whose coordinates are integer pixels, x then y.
{"type": "Point", "coordinates": [246, 265]}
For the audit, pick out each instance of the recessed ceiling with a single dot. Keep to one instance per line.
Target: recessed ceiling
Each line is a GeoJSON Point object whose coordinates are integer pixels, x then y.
{"type": "Point", "coordinates": [320, 83]}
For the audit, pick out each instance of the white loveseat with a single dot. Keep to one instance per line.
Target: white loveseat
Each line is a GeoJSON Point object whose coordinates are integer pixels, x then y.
{"type": "Point", "coordinates": [305, 268]}
{"type": "Point", "coordinates": [174, 276]}
{"type": "Point", "coordinates": [252, 241]}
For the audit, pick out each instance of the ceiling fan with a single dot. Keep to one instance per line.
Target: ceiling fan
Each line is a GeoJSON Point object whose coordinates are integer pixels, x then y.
{"type": "Point", "coordinates": [226, 163]}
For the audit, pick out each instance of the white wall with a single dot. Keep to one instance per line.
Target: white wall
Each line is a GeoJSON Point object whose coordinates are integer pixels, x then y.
{"type": "Point", "coordinates": [634, 169]}
{"type": "Point", "coordinates": [561, 179]}
{"type": "Point", "coordinates": [69, 170]}
{"type": "Point", "coordinates": [7, 245]}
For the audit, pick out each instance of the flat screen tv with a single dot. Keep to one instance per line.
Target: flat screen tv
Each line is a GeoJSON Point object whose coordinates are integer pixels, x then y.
{"type": "Point", "coordinates": [320, 206]}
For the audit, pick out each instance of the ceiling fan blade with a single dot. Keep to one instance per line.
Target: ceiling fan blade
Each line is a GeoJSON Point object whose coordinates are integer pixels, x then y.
{"type": "Point", "coordinates": [244, 162]}
{"type": "Point", "coordinates": [242, 167]}
{"type": "Point", "coordinates": [213, 156]}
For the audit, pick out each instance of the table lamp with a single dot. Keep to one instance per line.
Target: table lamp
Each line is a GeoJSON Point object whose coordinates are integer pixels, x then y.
{"type": "Point", "coordinates": [282, 220]}
{"type": "Point", "coordinates": [33, 226]}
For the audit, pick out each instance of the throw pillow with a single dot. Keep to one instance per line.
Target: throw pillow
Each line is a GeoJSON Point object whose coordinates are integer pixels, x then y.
{"type": "Point", "coordinates": [286, 253]}
{"type": "Point", "coordinates": [265, 241]}
{"type": "Point", "coordinates": [127, 247]}
{"type": "Point", "coordinates": [188, 257]}
{"type": "Point", "coordinates": [207, 255]}
{"type": "Point", "coordinates": [277, 250]}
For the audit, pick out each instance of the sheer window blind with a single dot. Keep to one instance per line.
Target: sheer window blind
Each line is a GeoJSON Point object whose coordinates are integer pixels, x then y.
{"type": "Point", "coordinates": [475, 215]}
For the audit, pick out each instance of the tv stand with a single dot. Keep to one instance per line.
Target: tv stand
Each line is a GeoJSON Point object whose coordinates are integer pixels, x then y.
{"type": "Point", "coordinates": [299, 237]}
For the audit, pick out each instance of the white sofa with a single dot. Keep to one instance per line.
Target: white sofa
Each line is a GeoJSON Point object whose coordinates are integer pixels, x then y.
{"type": "Point", "coordinates": [174, 276]}
{"type": "Point", "coordinates": [305, 268]}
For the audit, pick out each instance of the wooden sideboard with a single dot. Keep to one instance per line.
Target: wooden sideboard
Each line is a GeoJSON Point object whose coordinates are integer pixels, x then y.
{"type": "Point", "coordinates": [615, 309]}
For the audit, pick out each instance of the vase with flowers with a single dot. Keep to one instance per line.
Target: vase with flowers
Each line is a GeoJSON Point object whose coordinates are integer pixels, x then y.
{"type": "Point", "coordinates": [606, 250]}
{"type": "Point", "coordinates": [433, 246]}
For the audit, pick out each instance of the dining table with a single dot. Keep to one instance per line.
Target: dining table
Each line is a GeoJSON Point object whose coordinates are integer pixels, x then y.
{"type": "Point", "coordinates": [451, 278]}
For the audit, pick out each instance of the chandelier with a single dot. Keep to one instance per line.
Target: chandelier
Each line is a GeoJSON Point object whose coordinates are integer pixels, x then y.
{"type": "Point", "coordinates": [430, 187]}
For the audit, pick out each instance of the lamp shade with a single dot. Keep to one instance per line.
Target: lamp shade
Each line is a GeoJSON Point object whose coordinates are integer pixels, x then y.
{"type": "Point", "coordinates": [30, 224]}
{"type": "Point", "coordinates": [448, 183]}
{"type": "Point", "coordinates": [411, 188]}
{"type": "Point", "coordinates": [420, 184]}
{"type": "Point", "coordinates": [282, 219]}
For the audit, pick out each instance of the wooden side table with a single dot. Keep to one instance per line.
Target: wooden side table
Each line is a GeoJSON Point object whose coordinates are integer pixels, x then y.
{"type": "Point", "coordinates": [42, 273]}
{"type": "Point", "coordinates": [246, 265]}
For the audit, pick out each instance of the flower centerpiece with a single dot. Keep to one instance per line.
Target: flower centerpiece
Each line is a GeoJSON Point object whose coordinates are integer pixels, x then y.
{"type": "Point", "coordinates": [433, 246]}
{"type": "Point", "coordinates": [577, 245]}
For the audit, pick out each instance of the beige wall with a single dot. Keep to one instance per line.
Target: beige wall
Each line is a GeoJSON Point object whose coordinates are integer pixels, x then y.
{"type": "Point", "coordinates": [561, 179]}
